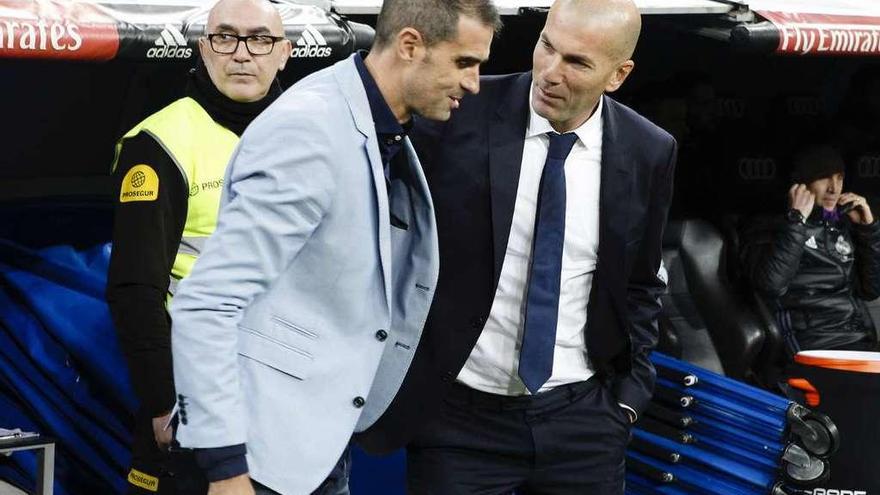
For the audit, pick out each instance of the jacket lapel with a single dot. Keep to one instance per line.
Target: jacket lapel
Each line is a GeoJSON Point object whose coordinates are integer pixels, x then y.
{"type": "Point", "coordinates": [614, 196]}
{"type": "Point", "coordinates": [353, 90]}
{"type": "Point", "coordinates": [506, 131]}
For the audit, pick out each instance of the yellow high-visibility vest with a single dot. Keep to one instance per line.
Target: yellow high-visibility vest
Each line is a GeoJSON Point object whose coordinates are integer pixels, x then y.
{"type": "Point", "coordinates": [201, 148]}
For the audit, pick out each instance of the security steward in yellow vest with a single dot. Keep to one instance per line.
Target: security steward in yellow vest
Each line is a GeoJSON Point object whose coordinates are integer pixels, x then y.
{"type": "Point", "coordinates": [169, 174]}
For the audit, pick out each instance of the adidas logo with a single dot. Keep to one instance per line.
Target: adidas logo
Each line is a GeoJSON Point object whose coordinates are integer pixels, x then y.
{"type": "Point", "coordinates": [311, 43]}
{"type": "Point", "coordinates": [170, 44]}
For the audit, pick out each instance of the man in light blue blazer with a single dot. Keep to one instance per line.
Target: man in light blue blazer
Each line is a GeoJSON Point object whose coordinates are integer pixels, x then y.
{"type": "Point", "coordinates": [300, 318]}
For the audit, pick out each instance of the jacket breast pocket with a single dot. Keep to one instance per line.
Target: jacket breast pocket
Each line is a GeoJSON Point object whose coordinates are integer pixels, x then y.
{"type": "Point", "coordinates": [274, 353]}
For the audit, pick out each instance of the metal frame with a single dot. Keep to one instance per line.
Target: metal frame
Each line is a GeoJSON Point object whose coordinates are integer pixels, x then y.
{"type": "Point", "coordinates": [45, 448]}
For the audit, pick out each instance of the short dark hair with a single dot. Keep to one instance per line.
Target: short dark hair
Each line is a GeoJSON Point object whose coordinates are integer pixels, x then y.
{"type": "Point", "coordinates": [435, 20]}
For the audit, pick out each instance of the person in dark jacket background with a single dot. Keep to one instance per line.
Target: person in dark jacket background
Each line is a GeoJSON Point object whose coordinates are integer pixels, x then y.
{"type": "Point", "coordinates": [818, 264]}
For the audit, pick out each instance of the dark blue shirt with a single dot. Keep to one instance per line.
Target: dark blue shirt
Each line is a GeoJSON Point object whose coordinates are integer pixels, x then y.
{"type": "Point", "coordinates": [388, 130]}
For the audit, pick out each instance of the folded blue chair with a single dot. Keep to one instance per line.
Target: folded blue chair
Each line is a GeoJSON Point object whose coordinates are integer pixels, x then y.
{"type": "Point", "coordinates": [698, 457]}
{"type": "Point", "coordinates": [744, 407]}
{"type": "Point", "coordinates": [705, 379]}
{"type": "Point", "coordinates": [728, 409]}
{"type": "Point", "coordinates": [638, 485]}
{"type": "Point", "coordinates": [701, 481]}
{"type": "Point", "coordinates": [710, 435]}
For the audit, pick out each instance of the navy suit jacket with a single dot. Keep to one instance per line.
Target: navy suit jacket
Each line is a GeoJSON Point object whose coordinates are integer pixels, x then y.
{"type": "Point", "coordinates": [472, 163]}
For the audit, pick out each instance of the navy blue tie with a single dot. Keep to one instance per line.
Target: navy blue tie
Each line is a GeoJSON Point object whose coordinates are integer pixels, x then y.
{"type": "Point", "coordinates": [542, 304]}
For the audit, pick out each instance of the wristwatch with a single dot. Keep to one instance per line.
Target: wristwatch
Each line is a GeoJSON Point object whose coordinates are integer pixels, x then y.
{"type": "Point", "coordinates": [795, 216]}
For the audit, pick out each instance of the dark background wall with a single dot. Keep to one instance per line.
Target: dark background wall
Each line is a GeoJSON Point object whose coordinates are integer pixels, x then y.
{"type": "Point", "coordinates": [738, 116]}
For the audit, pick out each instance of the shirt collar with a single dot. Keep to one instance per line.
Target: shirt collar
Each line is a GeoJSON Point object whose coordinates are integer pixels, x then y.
{"type": "Point", "coordinates": [589, 133]}
{"type": "Point", "coordinates": [383, 118]}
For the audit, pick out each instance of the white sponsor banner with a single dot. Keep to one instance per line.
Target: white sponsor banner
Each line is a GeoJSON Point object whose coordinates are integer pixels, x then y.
{"type": "Point", "coordinates": [511, 7]}
{"type": "Point", "coordinates": [825, 34]}
{"type": "Point", "coordinates": [866, 8]}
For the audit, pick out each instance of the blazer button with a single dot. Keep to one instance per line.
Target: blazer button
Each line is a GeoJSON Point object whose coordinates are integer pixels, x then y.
{"type": "Point", "coordinates": [381, 335]}
{"type": "Point", "coordinates": [478, 323]}
{"type": "Point", "coordinates": [358, 402]}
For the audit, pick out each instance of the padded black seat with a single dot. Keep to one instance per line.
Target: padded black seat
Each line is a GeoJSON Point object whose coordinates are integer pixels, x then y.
{"type": "Point", "coordinates": [681, 321]}
{"type": "Point", "coordinates": [715, 326]}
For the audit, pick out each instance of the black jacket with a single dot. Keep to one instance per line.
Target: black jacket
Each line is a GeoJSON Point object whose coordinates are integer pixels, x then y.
{"type": "Point", "coordinates": [472, 165]}
{"type": "Point", "coordinates": [816, 276]}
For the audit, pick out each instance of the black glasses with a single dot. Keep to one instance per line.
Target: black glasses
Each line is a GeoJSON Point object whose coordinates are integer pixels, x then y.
{"type": "Point", "coordinates": [256, 44]}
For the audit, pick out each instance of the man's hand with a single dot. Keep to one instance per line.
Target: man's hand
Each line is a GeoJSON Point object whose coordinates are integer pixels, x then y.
{"type": "Point", "coordinates": [861, 212]}
{"type": "Point", "coordinates": [238, 485]}
{"type": "Point", "coordinates": [161, 433]}
{"type": "Point", "coordinates": [801, 199]}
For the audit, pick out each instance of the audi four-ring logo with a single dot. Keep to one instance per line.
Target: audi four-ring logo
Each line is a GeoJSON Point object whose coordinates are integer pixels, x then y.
{"type": "Point", "coordinates": [802, 106]}
{"type": "Point", "coordinates": [757, 168]}
{"type": "Point", "coordinates": [732, 108]}
{"type": "Point", "coordinates": [869, 166]}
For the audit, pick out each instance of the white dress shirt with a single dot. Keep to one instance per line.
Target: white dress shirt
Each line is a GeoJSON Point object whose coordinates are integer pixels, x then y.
{"type": "Point", "coordinates": [493, 364]}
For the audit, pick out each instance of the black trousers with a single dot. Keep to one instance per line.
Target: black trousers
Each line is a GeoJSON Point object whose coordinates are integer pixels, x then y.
{"type": "Point", "coordinates": [570, 440]}
{"type": "Point", "coordinates": [154, 471]}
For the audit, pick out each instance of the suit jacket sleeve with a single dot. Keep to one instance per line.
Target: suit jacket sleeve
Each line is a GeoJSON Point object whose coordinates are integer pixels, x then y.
{"type": "Point", "coordinates": [644, 288]}
{"type": "Point", "coordinates": [278, 188]}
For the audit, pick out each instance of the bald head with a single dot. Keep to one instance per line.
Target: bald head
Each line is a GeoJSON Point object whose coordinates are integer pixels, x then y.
{"type": "Point", "coordinates": [262, 11]}
{"type": "Point", "coordinates": [619, 20]}
{"type": "Point", "coordinates": [244, 48]}
{"type": "Point", "coordinates": [585, 50]}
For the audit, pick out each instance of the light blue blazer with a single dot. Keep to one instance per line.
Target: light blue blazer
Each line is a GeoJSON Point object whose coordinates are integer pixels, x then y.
{"type": "Point", "coordinates": [300, 318]}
